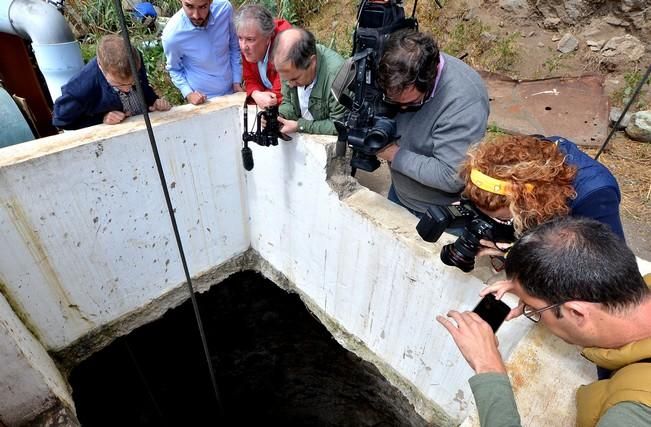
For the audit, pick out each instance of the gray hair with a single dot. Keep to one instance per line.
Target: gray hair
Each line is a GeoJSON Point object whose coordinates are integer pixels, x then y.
{"type": "Point", "coordinates": [261, 15]}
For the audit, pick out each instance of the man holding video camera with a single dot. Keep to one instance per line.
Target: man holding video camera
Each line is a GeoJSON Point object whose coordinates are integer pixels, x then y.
{"type": "Point", "coordinates": [581, 281]}
{"type": "Point", "coordinates": [442, 107]}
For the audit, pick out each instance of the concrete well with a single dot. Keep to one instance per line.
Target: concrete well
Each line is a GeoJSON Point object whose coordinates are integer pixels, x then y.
{"type": "Point", "coordinates": [89, 255]}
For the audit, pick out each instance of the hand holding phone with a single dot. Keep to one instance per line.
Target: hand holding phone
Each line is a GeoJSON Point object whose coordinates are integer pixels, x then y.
{"type": "Point", "coordinates": [492, 311]}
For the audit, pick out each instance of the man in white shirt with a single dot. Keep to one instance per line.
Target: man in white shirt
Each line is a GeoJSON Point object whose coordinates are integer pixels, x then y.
{"type": "Point", "coordinates": [307, 71]}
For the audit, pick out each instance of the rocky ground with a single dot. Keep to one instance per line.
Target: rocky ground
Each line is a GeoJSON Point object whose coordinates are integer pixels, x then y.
{"type": "Point", "coordinates": [527, 39]}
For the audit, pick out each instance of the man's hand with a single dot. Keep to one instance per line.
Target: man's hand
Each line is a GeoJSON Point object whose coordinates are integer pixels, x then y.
{"type": "Point", "coordinates": [493, 249]}
{"type": "Point", "coordinates": [289, 126]}
{"type": "Point", "coordinates": [196, 98]}
{"type": "Point", "coordinates": [499, 289]}
{"type": "Point", "coordinates": [114, 117]}
{"type": "Point", "coordinates": [476, 341]}
{"type": "Point", "coordinates": [264, 99]}
{"type": "Point", "coordinates": [161, 104]}
{"type": "Point", "coordinates": [388, 152]}
{"type": "Point", "coordinates": [237, 88]}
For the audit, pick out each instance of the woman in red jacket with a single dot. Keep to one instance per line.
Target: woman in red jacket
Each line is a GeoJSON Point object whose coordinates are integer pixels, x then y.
{"type": "Point", "coordinates": [256, 30]}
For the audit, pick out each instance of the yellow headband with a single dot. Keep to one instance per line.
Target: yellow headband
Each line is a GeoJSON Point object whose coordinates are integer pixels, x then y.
{"type": "Point", "coordinates": [493, 185]}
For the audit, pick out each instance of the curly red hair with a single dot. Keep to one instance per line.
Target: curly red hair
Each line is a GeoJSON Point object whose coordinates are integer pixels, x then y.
{"type": "Point", "coordinates": [522, 160]}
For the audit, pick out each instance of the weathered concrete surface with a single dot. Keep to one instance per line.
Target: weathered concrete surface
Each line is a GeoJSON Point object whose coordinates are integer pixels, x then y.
{"type": "Point", "coordinates": [85, 218]}
{"type": "Point", "coordinates": [83, 209]}
{"type": "Point", "coordinates": [29, 381]}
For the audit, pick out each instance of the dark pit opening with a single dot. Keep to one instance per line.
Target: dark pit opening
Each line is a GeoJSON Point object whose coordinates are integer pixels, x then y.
{"type": "Point", "coordinates": [276, 364]}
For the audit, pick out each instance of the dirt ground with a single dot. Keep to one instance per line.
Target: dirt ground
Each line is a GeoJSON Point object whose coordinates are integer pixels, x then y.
{"type": "Point", "coordinates": [525, 51]}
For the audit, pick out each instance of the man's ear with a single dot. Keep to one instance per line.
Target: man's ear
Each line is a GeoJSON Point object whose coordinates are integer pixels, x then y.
{"type": "Point", "coordinates": [578, 312]}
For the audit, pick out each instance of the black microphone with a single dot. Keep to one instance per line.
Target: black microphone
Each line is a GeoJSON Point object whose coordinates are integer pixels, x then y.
{"type": "Point", "coordinates": [247, 158]}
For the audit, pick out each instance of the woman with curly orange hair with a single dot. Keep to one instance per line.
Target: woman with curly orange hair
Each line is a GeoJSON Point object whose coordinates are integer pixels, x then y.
{"type": "Point", "coordinates": [530, 180]}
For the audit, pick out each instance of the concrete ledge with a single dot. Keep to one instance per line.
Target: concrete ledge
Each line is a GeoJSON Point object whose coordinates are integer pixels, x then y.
{"type": "Point", "coordinates": [93, 256]}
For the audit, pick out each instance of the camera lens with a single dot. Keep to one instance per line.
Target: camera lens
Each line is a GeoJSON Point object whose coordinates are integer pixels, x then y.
{"type": "Point", "coordinates": [376, 139]}
{"type": "Point", "coordinates": [450, 256]}
{"type": "Point", "coordinates": [462, 252]}
{"type": "Point", "coordinates": [364, 162]}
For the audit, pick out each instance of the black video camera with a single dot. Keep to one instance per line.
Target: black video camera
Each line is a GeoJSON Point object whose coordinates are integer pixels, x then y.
{"type": "Point", "coordinates": [368, 126]}
{"type": "Point", "coordinates": [477, 225]}
{"type": "Point", "coordinates": [265, 136]}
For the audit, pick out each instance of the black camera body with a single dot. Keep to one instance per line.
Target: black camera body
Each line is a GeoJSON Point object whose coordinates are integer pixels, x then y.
{"type": "Point", "coordinates": [368, 126]}
{"type": "Point", "coordinates": [477, 225]}
{"type": "Point", "coordinates": [265, 136]}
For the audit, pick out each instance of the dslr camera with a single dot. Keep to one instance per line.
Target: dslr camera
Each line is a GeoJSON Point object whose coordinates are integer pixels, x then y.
{"type": "Point", "coordinates": [265, 136]}
{"type": "Point", "coordinates": [368, 125]}
{"type": "Point", "coordinates": [476, 225]}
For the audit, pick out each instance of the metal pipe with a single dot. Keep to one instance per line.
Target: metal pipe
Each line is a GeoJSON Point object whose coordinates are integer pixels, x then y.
{"type": "Point", "coordinates": [57, 52]}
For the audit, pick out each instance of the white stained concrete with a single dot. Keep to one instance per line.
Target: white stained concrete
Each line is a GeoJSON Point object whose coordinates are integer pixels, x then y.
{"type": "Point", "coordinates": [86, 240]}
{"type": "Point", "coordinates": [29, 381]}
{"type": "Point", "coordinates": [361, 261]}
{"type": "Point", "coordinates": [86, 235]}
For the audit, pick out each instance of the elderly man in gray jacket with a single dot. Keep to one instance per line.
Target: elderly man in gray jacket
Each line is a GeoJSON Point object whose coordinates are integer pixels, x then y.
{"type": "Point", "coordinates": [443, 110]}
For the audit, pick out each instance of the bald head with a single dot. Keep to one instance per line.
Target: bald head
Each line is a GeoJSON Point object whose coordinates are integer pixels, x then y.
{"type": "Point", "coordinates": [296, 46]}
{"type": "Point", "coordinates": [294, 56]}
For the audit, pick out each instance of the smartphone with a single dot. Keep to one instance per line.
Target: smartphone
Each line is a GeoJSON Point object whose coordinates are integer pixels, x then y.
{"type": "Point", "coordinates": [492, 310]}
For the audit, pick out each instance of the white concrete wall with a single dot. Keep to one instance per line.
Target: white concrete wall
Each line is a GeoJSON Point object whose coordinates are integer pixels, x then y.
{"type": "Point", "coordinates": [361, 261]}
{"type": "Point", "coordinates": [86, 240]}
{"type": "Point", "coordinates": [29, 381]}
{"type": "Point", "coordinates": [86, 235]}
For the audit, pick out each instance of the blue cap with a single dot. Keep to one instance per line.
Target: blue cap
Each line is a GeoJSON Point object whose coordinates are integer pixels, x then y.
{"type": "Point", "coordinates": [143, 10]}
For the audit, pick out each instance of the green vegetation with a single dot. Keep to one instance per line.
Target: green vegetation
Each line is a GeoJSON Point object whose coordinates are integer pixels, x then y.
{"type": "Point", "coordinates": [494, 128]}
{"type": "Point", "coordinates": [469, 38]}
{"type": "Point", "coordinates": [631, 81]}
{"type": "Point", "coordinates": [465, 37]}
{"type": "Point", "coordinates": [93, 19]}
{"type": "Point", "coordinates": [553, 63]}
{"type": "Point", "coordinates": [502, 54]}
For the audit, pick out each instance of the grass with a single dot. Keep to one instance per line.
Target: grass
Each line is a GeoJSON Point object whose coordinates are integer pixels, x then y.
{"type": "Point", "coordinates": [553, 63]}
{"type": "Point", "coordinates": [502, 54]}
{"type": "Point", "coordinates": [494, 128]}
{"type": "Point", "coordinates": [93, 19]}
{"type": "Point", "coordinates": [631, 81]}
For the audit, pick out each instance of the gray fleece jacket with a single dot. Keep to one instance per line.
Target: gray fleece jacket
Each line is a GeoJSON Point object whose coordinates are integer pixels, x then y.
{"type": "Point", "coordinates": [434, 140]}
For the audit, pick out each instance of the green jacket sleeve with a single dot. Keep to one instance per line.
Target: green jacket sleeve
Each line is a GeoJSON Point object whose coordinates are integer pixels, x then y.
{"type": "Point", "coordinates": [495, 400]}
{"type": "Point", "coordinates": [629, 414]}
{"type": "Point", "coordinates": [325, 126]}
{"type": "Point", "coordinates": [286, 108]}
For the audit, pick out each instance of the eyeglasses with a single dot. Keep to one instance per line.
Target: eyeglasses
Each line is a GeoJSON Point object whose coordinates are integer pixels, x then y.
{"type": "Point", "coordinates": [411, 105]}
{"type": "Point", "coordinates": [124, 87]}
{"type": "Point", "coordinates": [535, 315]}
{"type": "Point", "coordinates": [121, 86]}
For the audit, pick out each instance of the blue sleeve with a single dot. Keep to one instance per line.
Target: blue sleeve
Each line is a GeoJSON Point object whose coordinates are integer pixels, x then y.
{"type": "Point", "coordinates": [601, 205]}
{"type": "Point", "coordinates": [69, 111]}
{"type": "Point", "coordinates": [236, 56]}
{"type": "Point", "coordinates": [175, 66]}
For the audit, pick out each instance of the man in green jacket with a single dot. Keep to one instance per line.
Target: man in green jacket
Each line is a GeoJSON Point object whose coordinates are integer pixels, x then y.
{"type": "Point", "coordinates": [306, 71]}
{"type": "Point", "coordinates": [581, 281]}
